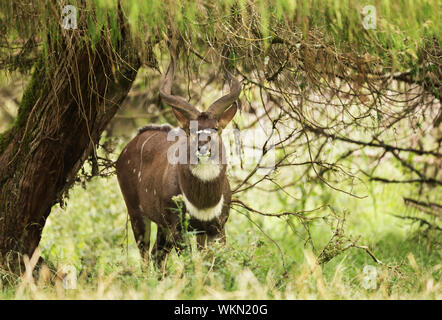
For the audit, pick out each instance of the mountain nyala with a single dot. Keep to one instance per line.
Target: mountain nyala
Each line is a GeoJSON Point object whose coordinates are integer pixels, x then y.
{"type": "Point", "coordinates": [150, 176]}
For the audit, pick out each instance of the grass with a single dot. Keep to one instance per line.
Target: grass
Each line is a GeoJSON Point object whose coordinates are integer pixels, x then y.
{"type": "Point", "coordinates": [93, 236]}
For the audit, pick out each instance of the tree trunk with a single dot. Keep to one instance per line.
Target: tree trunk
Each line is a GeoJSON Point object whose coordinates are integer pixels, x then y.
{"type": "Point", "coordinates": [65, 108]}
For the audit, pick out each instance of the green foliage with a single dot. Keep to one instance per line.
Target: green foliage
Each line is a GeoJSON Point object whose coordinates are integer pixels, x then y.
{"type": "Point", "coordinates": [403, 26]}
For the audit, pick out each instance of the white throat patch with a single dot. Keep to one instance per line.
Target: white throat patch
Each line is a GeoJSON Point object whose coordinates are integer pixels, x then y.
{"type": "Point", "coordinates": [206, 171]}
{"type": "Point", "coordinates": [205, 214]}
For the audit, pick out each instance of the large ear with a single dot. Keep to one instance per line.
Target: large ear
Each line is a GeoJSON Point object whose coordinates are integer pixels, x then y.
{"type": "Point", "coordinates": [182, 119]}
{"type": "Point", "coordinates": [227, 115]}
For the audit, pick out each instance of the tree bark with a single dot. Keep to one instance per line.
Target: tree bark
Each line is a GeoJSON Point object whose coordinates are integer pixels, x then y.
{"type": "Point", "coordinates": [65, 108]}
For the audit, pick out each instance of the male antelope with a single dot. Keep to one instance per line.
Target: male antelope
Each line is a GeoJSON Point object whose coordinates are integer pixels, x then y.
{"type": "Point", "coordinates": [148, 180]}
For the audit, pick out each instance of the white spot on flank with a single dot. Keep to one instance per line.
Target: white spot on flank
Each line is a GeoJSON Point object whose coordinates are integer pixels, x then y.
{"type": "Point", "coordinates": [128, 161]}
{"type": "Point", "coordinates": [206, 171]}
{"type": "Point", "coordinates": [205, 214]}
{"type": "Point", "coordinates": [154, 192]}
{"type": "Point", "coordinates": [134, 171]}
{"type": "Point", "coordinates": [141, 207]}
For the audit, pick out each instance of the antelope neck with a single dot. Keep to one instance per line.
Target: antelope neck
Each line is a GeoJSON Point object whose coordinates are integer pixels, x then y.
{"type": "Point", "coordinates": [200, 193]}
